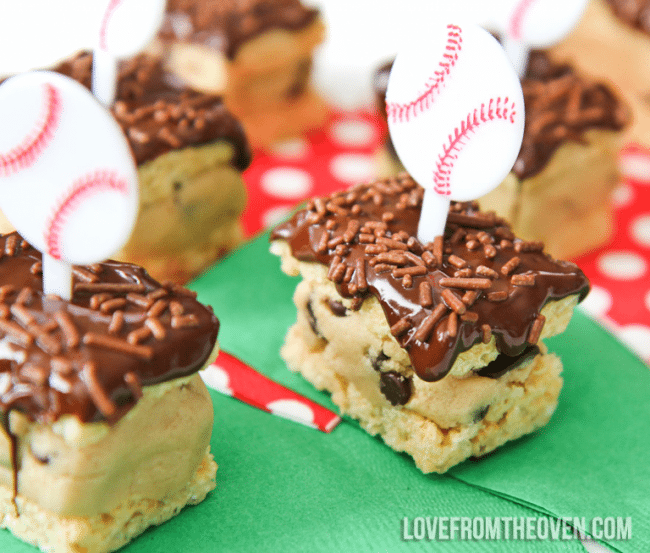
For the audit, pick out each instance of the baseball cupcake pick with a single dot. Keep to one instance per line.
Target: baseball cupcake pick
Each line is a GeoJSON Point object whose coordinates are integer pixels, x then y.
{"type": "Point", "coordinates": [68, 179]}
{"type": "Point", "coordinates": [527, 24]}
{"type": "Point", "coordinates": [456, 116]}
{"type": "Point", "coordinates": [125, 27]}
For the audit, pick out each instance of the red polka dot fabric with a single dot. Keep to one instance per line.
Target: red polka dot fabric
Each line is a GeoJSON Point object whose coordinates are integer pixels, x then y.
{"type": "Point", "coordinates": [342, 154]}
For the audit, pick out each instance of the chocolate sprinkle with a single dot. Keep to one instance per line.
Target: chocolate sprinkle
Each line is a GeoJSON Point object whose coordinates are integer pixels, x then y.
{"type": "Point", "coordinates": [434, 335]}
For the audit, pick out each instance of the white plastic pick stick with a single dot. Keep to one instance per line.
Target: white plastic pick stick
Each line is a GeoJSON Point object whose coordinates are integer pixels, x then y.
{"type": "Point", "coordinates": [125, 27]}
{"type": "Point", "coordinates": [68, 178]}
{"type": "Point", "coordinates": [456, 116]}
{"type": "Point", "coordinates": [57, 277]}
{"type": "Point", "coordinates": [104, 76]}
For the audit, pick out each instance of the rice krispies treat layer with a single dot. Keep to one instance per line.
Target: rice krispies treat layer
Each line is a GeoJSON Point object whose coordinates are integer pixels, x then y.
{"type": "Point", "coordinates": [85, 487]}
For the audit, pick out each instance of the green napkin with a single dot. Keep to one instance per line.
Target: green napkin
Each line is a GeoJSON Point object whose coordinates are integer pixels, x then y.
{"type": "Point", "coordinates": [590, 461]}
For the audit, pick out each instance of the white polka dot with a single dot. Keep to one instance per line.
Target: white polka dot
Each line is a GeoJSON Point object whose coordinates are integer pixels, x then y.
{"type": "Point", "coordinates": [291, 149]}
{"type": "Point", "coordinates": [353, 168]}
{"type": "Point", "coordinates": [275, 215]}
{"type": "Point", "coordinates": [286, 182]}
{"type": "Point", "coordinates": [292, 409]}
{"type": "Point", "coordinates": [352, 132]}
{"type": "Point", "coordinates": [637, 337]}
{"type": "Point", "coordinates": [647, 300]}
{"type": "Point", "coordinates": [636, 166]}
{"type": "Point", "coordinates": [597, 303]}
{"type": "Point", "coordinates": [640, 230]}
{"type": "Point", "coordinates": [622, 195]}
{"type": "Point", "coordinates": [622, 265]}
{"type": "Point", "coordinates": [217, 379]}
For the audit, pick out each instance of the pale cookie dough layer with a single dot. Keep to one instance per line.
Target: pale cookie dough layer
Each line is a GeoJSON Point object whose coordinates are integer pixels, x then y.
{"type": "Point", "coordinates": [604, 46]}
{"type": "Point", "coordinates": [105, 532]}
{"type": "Point", "coordinates": [346, 351]}
{"type": "Point", "coordinates": [81, 469]}
{"type": "Point", "coordinates": [191, 201]}
{"type": "Point", "coordinates": [265, 84]}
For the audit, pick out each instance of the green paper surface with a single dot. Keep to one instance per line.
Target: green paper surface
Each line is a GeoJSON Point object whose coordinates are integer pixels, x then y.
{"type": "Point", "coordinates": [285, 487]}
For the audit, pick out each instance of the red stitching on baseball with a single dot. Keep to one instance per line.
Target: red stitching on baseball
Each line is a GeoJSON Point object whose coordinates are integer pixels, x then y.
{"type": "Point", "coordinates": [88, 184]}
{"type": "Point", "coordinates": [403, 111]}
{"type": "Point", "coordinates": [517, 20]}
{"type": "Point", "coordinates": [497, 109]}
{"type": "Point", "coordinates": [27, 152]}
{"type": "Point", "coordinates": [112, 6]}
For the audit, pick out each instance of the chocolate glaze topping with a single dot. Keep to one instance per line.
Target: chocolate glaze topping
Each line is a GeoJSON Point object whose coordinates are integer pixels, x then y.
{"type": "Point", "coordinates": [157, 117]}
{"type": "Point", "coordinates": [439, 298]}
{"type": "Point", "coordinates": [635, 13]}
{"type": "Point", "coordinates": [91, 356]}
{"type": "Point", "coordinates": [227, 25]}
{"type": "Point", "coordinates": [560, 105]}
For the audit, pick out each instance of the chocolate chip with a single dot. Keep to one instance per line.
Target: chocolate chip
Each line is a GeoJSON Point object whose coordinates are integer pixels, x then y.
{"type": "Point", "coordinates": [312, 320]}
{"type": "Point", "coordinates": [377, 362]}
{"type": "Point", "coordinates": [395, 387]}
{"type": "Point", "coordinates": [479, 415]}
{"type": "Point", "coordinates": [337, 308]}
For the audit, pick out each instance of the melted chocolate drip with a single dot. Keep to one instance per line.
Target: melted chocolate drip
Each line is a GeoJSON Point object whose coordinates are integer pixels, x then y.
{"type": "Point", "coordinates": [372, 248]}
{"type": "Point", "coordinates": [504, 363]}
{"type": "Point", "coordinates": [89, 357]}
{"type": "Point", "coordinates": [158, 118]}
{"type": "Point", "coordinates": [228, 24]}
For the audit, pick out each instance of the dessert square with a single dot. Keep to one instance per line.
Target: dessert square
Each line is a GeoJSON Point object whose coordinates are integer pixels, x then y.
{"type": "Point", "coordinates": [435, 347]}
{"type": "Point", "coordinates": [190, 151]}
{"type": "Point", "coordinates": [105, 422]}
{"type": "Point", "coordinates": [612, 43]}
{"type": "Point", "coordinates": [258, 54]}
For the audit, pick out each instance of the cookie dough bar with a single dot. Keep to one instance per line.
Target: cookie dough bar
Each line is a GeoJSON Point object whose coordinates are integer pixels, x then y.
{"type": "Point", "coordinates": [105, 425]}
{"type": "Point", "coordinates": [257, 54]}
{"type": "Point", "coordinates": [560, 187]}
{"type": "Point", "coordinates": [439, 384]}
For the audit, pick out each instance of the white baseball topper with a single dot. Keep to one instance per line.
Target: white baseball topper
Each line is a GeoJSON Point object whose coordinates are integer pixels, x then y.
{"type": "Point", "coordinates": [456, 116]}
{"type": "Point", "coordinates": [125, 27]}
{"type": "Point", "coordinates": [68, 179]}
{"type": "Point", "coordinates": [527, 24]}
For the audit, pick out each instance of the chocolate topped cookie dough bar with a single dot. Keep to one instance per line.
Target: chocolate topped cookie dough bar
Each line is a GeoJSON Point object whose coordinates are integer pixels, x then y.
{"type": "Point", "coordinates": [190, 153]}
{"type": "Point", "coordinates": [436, 347]}
{"type": "Point", "coordinates": [257, 53]}
{"type": "Point", "coordinates": [105, 421]}
{"type": "Point", "coordinates": [612, 42]}
{"type": "Point", "coordinates": [559, 188]}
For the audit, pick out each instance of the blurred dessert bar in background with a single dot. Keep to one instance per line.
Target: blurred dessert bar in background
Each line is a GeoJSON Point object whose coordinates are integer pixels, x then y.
{"type": "Point", "coordinates": [612, 43]}
{"type": "Point", "coordinates": [256, 53]}
{"type": "Point", "coordinates": [190, 153]}
{"type": "Point", "coordinates": [560, 186]}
